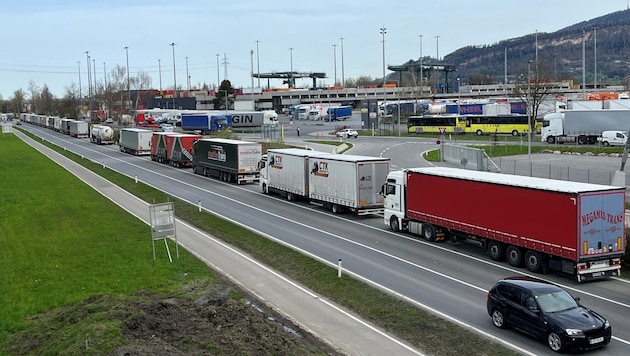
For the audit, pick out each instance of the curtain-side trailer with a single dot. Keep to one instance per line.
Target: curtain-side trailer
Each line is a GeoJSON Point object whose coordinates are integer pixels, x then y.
{"type": "Point", "coordinates": [228, 160]}
{"type": "Point", "coordinates": [337, 182]}
{"type": "Point", "coordinates": [571, 227]}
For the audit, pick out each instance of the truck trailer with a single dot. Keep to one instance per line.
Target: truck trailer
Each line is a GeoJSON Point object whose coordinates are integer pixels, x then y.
{"type": "Point", "coordinates": [338, 113]}
{"type": "Point", "coordinates": [337, 182]}
{"type": "Point", "coordinates": [179, 149]}
{"type": "Point", "coordinates": [135, 141]}
{"type": "Point", "coordinates": [158, 149]}
{"type": "Point", "coordinates": [101, 134]}
{"type": "Point", "coordinates": [204, 122]}
{"type": "Point", "coordinates": [582, 126]}
{"type": "Point", "coordinates": [79, 129]}
{"type": "Point", "coordinates": [226, 159]}
{"type": "Point", "coordinates": [545, 224]}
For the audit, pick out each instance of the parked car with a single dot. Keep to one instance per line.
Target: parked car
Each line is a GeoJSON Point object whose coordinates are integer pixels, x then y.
{"type": "Point", "coordinates": [347, 133]}
{"type": "Point", "coordinates": [167, 127]}
{"type": "Point", "coordinates": [547, 312]}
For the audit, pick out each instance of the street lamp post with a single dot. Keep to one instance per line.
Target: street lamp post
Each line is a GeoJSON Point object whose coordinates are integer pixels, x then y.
{"type": "Point", "coordinates": [128, 81]}
{"type": "Point", "coordinates": [218, 75]}
{"type": "Point", "coordinates": [258, 62]}
{"type": "Point", "coordinates": [187, 75]}
{"type": "Point", "coordinates": [80, 94]}
{"type": "Point", "coordinates": [291, 73]}
{"type": "Point", "coordinates": [437, 58]}
{"type": "Point", "coordinates": [529, 112]}
{"type": "Point", "coordinates": [343, 80]}
{"type": "Point", "coordinates": [160, 75]}
{"type": "Point", "coordinates": [251, 53]}
{"type": "Point", "coordinates": [174, 75]}
{"type": "Point", "coordinates": [383, 31]}
{"type": "Point", "coordinates": [421, 74]}
{"type": "Point", "coordinates": [335, 61]}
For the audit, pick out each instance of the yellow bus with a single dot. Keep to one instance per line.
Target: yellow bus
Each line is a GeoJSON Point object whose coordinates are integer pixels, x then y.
{"type": "Point", "coordinates": [475, 124]}
{"type": "Point", "coordinates": [500, 124]}
{"type": "Point", "coordinates": [433, 124]}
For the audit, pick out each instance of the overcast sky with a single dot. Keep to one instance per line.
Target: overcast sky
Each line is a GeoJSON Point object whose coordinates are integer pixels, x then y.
{"type": "Point", "coordinates": [44, 40]}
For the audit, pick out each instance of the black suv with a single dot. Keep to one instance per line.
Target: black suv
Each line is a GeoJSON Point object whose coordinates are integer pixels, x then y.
{"type": "Point", "coordinates": [547, 312]}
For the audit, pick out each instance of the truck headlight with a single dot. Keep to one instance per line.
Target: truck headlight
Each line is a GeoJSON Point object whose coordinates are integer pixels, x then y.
{"type": "Point", "coordinates": [574, 332]}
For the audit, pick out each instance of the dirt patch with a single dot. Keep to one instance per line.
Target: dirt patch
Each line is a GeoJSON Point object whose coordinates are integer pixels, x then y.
{"type": "Point", "coordinates": [214, 320]}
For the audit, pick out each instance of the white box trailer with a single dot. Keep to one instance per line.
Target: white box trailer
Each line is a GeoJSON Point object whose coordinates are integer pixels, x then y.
{"type": "Point", "coordinates": [135, 141]}
{"type": "Point", "coordinates": [338, 182]}
{"type": "Point", "coordinates": [79, 128]}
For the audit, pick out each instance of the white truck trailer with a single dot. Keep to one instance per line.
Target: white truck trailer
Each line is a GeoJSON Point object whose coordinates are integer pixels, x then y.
{"type": "Point", "coordinates": [337, 182]}
{"type": "Point", "coordinates": [583, 126]}
{"type": "Point", "coordinates": [135, 141]}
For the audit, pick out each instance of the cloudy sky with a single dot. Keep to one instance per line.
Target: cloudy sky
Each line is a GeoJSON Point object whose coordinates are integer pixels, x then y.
{"type": "Point", "coordinates": [45, 41]}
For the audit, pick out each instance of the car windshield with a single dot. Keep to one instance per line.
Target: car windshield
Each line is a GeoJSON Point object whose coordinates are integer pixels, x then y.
{"type": "Point", "coordinates": [556, 301]}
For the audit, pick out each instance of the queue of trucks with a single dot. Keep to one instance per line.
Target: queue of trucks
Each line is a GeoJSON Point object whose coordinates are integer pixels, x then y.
{"type": "Point", "coordinates": [499, 212]}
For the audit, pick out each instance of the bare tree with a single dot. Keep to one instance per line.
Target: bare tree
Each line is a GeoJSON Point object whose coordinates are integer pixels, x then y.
{"type": "Point", "coordinates": [46, 101]}
{"type": "Point", "coordinates": [142, 82]}
{"type": "Point", "coordinates": [33, 90]}
{"type": "Point", "coordinates": [17, 102]}
{"type": "Point", "coordinates": [536, 88]}
{"type": "Point", "coordinates": [70, 104]}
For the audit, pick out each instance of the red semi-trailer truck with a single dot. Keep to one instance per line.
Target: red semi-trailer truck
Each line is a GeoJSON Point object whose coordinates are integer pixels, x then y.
{"type": "Point", "coordinates": [545, 224]}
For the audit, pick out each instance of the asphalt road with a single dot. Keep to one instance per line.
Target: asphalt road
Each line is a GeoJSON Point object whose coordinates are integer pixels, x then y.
{"type": "Point", "coordinates": [449, 279]}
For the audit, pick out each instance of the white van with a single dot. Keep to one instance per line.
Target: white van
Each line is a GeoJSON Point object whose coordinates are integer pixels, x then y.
{"type": "Point", "coordinates": [613, 138]}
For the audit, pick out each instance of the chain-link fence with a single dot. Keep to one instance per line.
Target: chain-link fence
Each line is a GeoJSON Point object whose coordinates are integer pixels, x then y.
{"type": "Point", "coordinates": [475, 158]}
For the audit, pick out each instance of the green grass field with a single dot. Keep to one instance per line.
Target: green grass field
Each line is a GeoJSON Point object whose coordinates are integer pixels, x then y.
{"type": "Point", "coordinates": [63, 242]}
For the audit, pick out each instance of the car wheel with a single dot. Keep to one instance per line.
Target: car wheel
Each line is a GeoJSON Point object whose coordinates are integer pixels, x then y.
{"type": "Point", "coordinates": [428, 232]}
{"type": "Point", "coordinates": [514, 256]}
{"type": "Point", "coordinates": [393, 224]}
{"type": "Point", "coordinates": [555, 342]}
{"type": "Point", "coordinates": [497, 318]}
{"type": "Point", "coordinates": [606, 143]}
{"type": "Point", "coordinates": [533, 261]}
{"type": "Point", "coordinates": [496, 250]}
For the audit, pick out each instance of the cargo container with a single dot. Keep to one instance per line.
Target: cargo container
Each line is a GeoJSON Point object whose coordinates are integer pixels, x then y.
{"type": "Point", "coordinates": [101, 134]}
{"type": "Point", "coordinates": [135, 141]}
{"type": "Point", "coordinates": [570, 227]}
{"type": "Point", "coordinates": [229, 160]}
{"type": "Point", "coordinates": [337, 182]}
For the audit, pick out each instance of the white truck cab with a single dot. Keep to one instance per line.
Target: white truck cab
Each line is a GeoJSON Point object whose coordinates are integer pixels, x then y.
{"type": "Point", "coordinates": [613, 138]}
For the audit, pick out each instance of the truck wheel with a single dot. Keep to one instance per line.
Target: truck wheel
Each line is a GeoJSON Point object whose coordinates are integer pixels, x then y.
{"type": "Point", "coordinates": [428, 232]}
{"type": "Point", "coordinates": [290, 197]}
{"type": "Point", "coordinates": [533, 261]}
{"type": "Point", "coordinates": [514, 256]}
{"type": "Point", "coordinates": [393, 224]}
{"type": "Point", "coordinates": [551, 139]}
{"type": "Point", "coordinates": [336, 209]}
{"type": "Point", "coordinates": [582, 140]}
{"type": "Point", "coordinates": [496, 250]}
{"type": "Point", "coordinates": [265, 190]}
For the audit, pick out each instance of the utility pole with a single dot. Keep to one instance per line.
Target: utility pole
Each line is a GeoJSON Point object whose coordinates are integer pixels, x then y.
{"type": "Point", "coordinates": [258, 62]}
{"type": "Point", "coordinates": [343, 79]}
{"type": "Point", "coordinates": [335, 61]}
{"type": "Point", "coordinates": [174, 75]}
{"type": "Point", "coordinates": [128, 82]}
